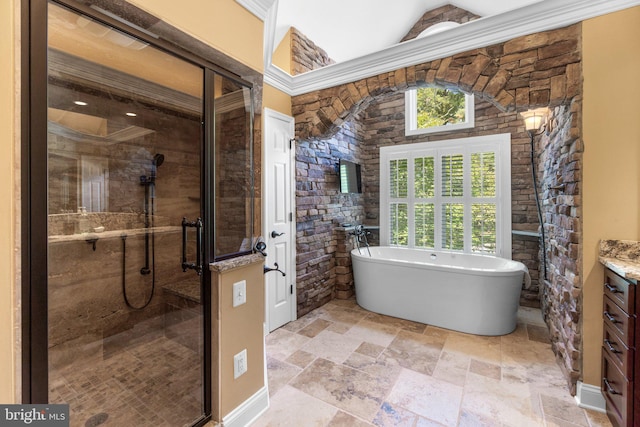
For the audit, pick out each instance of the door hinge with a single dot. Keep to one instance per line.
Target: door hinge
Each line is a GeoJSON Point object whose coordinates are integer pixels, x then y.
{"type": "Point", "coordinates": [291, 141]}
{"type": "Point", "coordinates": [291, 289]}
{"type": "Point", "coordinates": [290, 216]}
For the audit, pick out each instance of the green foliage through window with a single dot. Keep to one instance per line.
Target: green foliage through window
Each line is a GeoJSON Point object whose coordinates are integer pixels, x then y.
{"type": "Point", "coordinates": [453, 226]}
{"type": "Point", "coordinates": [439, 107]}
{"type": "Point", "coordinates": [425, 225]}
{"type": "Point", "coordinates": [398, 178]}
{"type": "Point", "coordinates": [399, 226]}
{"type": "Point", "coordinates": [424, 177]}
{"type": "Point", "coordinates": [452, 176]}
{"type": "Point", "coordinates": [483, 174]}
{"type": "Point", "coordinates": [483, 227]}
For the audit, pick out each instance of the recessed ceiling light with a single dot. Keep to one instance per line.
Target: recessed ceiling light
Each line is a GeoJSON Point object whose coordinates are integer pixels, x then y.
{"type": "Point", "coordinates": [82, 103]}
{"type": "Point", "coordinates": [131, 114]}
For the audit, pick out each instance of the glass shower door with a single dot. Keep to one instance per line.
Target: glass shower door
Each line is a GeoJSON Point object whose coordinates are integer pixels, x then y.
{"type": "Point", "coordinates": [124, 168]}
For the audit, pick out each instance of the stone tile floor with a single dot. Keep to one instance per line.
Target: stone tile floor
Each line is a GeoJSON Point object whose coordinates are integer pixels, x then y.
{"type": "Point", "coordinates": [341, 365]}
{"type": "Point", "coordinates": [148, 381]}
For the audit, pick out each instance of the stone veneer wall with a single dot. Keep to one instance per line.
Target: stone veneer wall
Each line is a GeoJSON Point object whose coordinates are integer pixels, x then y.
{"type": "Point", "coordinates": [305, 54]}
{"type": "Point", "coordinates": [537, 70]}
{"type": "Point", "coordinates": [560, 165]}
{"type": "Point", "coordinates": [320, 209]}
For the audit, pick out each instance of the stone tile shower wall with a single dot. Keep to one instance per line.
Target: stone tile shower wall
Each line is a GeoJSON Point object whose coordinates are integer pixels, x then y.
{"type": "Point", "coordinates": [537, 70]}
{"type": "Point", "coordinates": [86, 314]}
{"type": "Point", "coordinates": [232, 186]}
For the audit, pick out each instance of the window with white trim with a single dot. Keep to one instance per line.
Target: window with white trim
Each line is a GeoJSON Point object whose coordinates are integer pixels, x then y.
{"type": "Point", "coordinates": [434, 109]}
{"type": "Point", "coordinates": [452, 195]}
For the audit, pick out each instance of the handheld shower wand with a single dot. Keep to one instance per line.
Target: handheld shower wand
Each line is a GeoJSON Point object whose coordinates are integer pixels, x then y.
{"type": "Point", "coordinates": [149, 183]}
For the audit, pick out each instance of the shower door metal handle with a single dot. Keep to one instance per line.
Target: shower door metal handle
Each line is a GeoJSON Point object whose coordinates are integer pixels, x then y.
{"type": "Point", "coordinates": [197, 266]}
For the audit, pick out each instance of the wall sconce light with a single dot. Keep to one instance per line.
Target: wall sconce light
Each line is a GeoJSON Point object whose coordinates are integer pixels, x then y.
{"type": "Point", "coordinates": [535, 119]}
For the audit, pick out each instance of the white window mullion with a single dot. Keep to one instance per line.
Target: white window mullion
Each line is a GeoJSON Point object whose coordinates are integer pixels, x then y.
{"type": "Point", "coordinates": [466, 199]}
{"type": "Point", "coordinates": [385, 199]}
{"type": "Point", "coordinates": [437, 203]}
{"type": "Point", "coordinates": [411, 199]}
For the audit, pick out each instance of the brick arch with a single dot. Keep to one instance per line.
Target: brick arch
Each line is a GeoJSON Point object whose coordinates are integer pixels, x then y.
{"type": "Point", "coordinates": [537, 70]}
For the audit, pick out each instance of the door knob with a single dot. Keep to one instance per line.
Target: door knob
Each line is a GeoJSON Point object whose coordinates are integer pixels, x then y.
{"type": "Point", "coordinates": [260, 247]}
{"type": "Point", "coordinates": [275, 234]}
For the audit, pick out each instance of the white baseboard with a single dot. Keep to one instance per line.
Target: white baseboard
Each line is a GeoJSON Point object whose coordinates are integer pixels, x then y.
{"type": "Point", "coordinates": [590, 397]}
{"type": "Point", "coordinates": [249, 410]}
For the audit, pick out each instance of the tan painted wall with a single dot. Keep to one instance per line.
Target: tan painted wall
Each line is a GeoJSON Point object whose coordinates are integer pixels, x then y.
{"type": "Point", "coordinates": [272, 97]}
{"type": "Point", "coordinates": [282, 55]}
{"type": "Point", "coordinates": [238, 328]}
{"type": "Point", "coordinates": [276, 100]}
{"type": "Point", "coordinates": [611, 169]}
{"type": "Point", "coordinates": [8, 120]}
{"type": "Point", "coordinates": [223, 24]}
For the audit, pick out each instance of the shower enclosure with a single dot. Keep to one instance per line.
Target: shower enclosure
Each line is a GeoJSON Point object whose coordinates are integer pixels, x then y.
{"type": "Point", "coordinates": [125, 322]}
{"type": "Point", "coordinates": [135, 178]}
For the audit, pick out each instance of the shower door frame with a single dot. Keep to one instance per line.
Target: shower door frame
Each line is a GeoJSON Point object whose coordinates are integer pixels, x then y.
{"type": "Point", "coordinates": [34, 177]}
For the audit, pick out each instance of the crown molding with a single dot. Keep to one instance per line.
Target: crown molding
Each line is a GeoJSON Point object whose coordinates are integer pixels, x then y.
{"type": "Point", "coordinates": [258, 7]}
{"type": "Point", "coordinates": [279, 79]}
{"type": "Point", "coordinates": [537, 17]}
{"type": "Point", "coordinates": [270, 33]}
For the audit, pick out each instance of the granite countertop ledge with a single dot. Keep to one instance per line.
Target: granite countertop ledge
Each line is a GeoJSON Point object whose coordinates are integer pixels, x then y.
{"type": "Point", "coordinates": [230, 264]}
{"type": "Point", "coordinates": [621, 256]}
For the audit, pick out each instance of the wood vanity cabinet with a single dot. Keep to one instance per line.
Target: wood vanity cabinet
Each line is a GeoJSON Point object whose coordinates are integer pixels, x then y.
{"type": "Point", "coordinates": [620, 361]}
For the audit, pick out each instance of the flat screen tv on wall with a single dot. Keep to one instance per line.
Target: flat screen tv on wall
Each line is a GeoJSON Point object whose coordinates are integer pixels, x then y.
{"type": "Point", "coordinates": [350, 177]}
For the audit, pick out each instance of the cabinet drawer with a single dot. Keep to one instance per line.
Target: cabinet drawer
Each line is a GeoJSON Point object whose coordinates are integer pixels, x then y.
{"type": "Point", "coordinates": [617, 392]}
{"type": "Point", "coordinates": [620, 291]}
{"type": "Point", "coordinates": [618, 352]}
{"type": "Point", "coordinates": [618, 321]}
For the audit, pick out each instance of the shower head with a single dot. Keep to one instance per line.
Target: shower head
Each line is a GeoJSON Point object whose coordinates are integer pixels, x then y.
{"type": "Point", "coordinates": [158, 159]}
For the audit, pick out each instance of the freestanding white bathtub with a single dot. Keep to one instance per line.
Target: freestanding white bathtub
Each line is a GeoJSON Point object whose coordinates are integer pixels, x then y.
{"type": "Point", "coordinates": [476, 294]}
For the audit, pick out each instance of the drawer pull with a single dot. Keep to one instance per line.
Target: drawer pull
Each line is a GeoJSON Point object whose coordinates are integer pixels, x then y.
{"type": "Point", "coordinates": [610, 389]}
{"type": "Point", "coordinates": [610, 317]}
{"type": "Point", "coordinates": [612, 289]}
{"type": "Point", "coordinates": [610, 346]}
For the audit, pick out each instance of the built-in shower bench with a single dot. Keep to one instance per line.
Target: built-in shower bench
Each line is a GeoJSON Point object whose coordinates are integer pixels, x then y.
{"type": "Point", "coordinates": [182, 313]}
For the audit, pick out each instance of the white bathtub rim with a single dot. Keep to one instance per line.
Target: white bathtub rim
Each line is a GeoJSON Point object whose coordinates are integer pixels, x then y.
{"type": "Point", "coordinates": [512, 268]}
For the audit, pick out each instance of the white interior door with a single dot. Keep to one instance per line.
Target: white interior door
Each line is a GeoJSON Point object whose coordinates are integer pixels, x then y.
{"type": "Point", "coordinates": [279, 218]}
{"type": "Point", "coordinates": [95, 183]}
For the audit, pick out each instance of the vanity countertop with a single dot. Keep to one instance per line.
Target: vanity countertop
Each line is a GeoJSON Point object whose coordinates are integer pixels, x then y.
{"type": "Point", "coordinates": [621, 256]}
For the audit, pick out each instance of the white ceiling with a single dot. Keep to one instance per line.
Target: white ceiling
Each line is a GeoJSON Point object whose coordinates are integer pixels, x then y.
{"type": "Point", "coordinates": [348, 29]}
{"type": "Point", "coordinates": [354, 37]}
